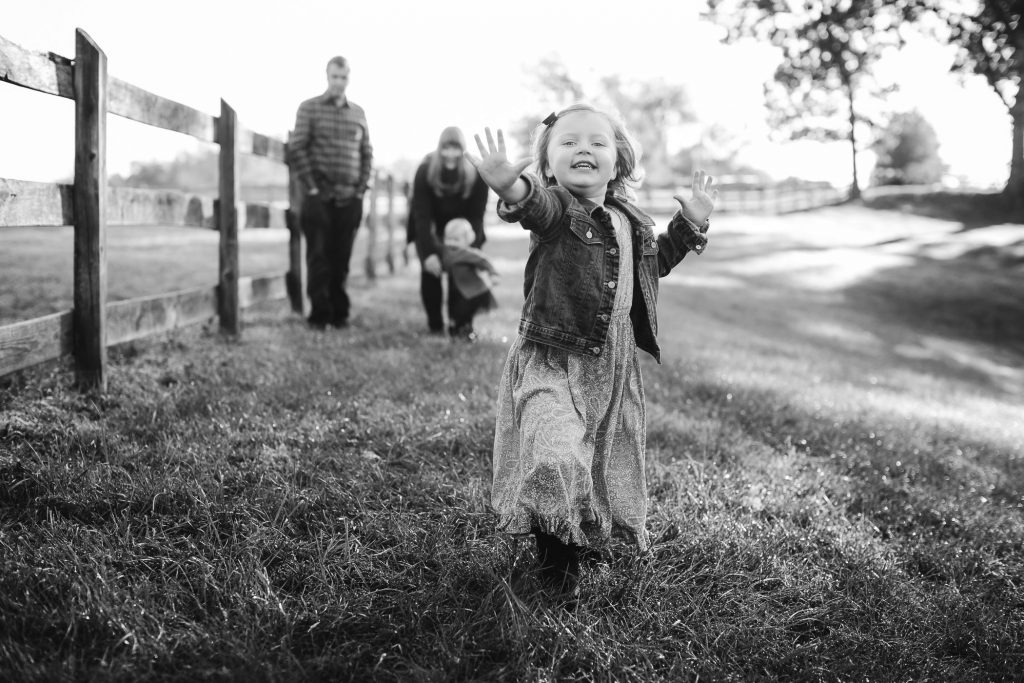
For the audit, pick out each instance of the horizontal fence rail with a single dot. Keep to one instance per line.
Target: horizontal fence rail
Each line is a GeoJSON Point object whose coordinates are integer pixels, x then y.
{"type": "Point", "coordinates": [89, 205]}
{"type": "Point", "coordinates": [24, 203]}
{"type": "Point", "coordinates": [50, 337]}
{"type": "Point", "coordinates": [771, 199]}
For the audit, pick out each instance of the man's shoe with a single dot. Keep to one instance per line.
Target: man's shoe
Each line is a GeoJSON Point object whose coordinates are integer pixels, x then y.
{"type": "Point", "coordinates": [316, 322]}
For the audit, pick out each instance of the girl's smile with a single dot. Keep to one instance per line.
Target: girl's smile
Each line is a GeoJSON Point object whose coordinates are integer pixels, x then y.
{"type": "Point", "coordinates": [582, 154]}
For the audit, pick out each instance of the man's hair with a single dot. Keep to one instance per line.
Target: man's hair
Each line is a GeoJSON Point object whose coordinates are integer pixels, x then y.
{"type": "Point", "coordinates": [338, 61]}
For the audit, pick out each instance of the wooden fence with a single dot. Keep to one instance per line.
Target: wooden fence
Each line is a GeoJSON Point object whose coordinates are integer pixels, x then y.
{"type": "Point", "coordinates": [90, 205]}
{"type": "Point", "coordinates": [737, 196]}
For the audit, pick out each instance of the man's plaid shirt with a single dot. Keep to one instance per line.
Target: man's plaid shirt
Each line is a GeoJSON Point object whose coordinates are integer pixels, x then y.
{"type": "Point", "coordinates": [330, 146]}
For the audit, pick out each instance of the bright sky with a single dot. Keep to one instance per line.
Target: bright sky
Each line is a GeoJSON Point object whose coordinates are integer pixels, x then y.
{"type": "Point", "coordinates": [420, 66]}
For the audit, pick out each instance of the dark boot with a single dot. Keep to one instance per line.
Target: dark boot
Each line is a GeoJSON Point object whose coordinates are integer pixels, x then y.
{"type": "Point", "coordinates": [558, 564]}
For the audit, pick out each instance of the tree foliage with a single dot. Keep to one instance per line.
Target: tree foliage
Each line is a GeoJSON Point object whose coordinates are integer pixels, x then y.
{"type": "Point", "coordinates": [197, 172]}
{"type": "Point", "coordinates": [989, 35]}
{"type": "Point", "coordinates": [649, 108]}
{"type": "Point", "coordinates": [829, 48]}
{"type": "Point", "coordinates": [908, 152]}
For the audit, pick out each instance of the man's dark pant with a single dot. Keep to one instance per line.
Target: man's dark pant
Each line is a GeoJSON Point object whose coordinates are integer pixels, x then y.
{"type": "Point", "coordinates": [330, 232]}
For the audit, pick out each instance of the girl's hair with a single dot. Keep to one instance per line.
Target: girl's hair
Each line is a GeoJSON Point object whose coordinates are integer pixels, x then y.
{"type": "Point", "coordinates": [627, 156]}
{"type": "Point", "coordinates": [465, 174]}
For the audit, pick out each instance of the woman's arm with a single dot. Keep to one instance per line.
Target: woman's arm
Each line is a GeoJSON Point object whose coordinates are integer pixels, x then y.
{"type": "Point", "coordinates": [476, 208]}
{"type": "Point", "coordinates": [421, 210]}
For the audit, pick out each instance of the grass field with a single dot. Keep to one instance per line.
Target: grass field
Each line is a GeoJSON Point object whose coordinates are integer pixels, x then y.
{"type": "Point", "coordinates": [835, 465]}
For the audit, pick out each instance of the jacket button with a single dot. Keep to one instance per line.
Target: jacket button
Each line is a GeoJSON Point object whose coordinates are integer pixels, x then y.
{"type": "Point", "coordinates": [605, 317]}
{"type": "Point", "coordinates": [654, 243]}
{"type": "Point", "coordinates": [611, 285]}
{"type": "Point", "coordinates": [613, 251]}
{"type": "Point", "coordinates": [698, 247]}
{"type": "Point", "coordinates": [589, 234]}
{"type": "Point", "coordinates": [596, 350]}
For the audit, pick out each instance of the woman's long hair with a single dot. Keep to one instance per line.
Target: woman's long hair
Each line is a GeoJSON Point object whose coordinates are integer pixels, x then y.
{"type": "Point", "coordinates": [465, 175]}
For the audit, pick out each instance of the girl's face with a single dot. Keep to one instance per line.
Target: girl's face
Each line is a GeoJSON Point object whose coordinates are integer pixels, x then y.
{"type": "Point", "coordinates": [582, 154]}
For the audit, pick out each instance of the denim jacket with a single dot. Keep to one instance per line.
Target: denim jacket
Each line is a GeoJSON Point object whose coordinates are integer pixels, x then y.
{"type": "Point", "coordinates": [573, 267]}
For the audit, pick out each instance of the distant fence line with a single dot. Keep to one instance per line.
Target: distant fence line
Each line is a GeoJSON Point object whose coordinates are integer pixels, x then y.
{"type": "Point", "coordinates": [89, 205]}
{"type": "Point", "coordinates": [742, 194]}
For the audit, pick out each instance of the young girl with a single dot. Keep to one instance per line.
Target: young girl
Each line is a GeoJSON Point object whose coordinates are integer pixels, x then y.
{"type": "Point", "coordinates": [569, 442]}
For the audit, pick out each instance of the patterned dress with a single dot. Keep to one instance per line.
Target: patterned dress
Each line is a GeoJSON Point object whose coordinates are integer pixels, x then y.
{"type": "Point", "coordinates": [571, 432]}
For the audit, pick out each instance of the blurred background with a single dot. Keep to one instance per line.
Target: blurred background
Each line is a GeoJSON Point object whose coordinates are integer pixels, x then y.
{"type": "Point", "coordinates": [850, 93]}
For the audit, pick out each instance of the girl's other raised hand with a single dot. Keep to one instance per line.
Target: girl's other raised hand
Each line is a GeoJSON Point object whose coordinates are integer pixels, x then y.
{"type": "Point", "coordinates": [494, 167]}
{"type": "Point", "coordinates": [702, 200]}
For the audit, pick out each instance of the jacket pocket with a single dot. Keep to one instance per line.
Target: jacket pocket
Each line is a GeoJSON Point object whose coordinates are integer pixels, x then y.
{"type": "Point", "coordinates": [585, 231]}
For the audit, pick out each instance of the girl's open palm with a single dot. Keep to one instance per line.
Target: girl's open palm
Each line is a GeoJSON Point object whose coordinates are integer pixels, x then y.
{"type": "Point", "coordinates": [493, 164]}
{"type": "Point", "coordinates": [702, 200]}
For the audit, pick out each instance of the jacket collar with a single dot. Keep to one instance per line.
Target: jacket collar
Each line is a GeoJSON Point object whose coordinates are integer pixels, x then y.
{"type": "Point", "coordinates": [619, 201]}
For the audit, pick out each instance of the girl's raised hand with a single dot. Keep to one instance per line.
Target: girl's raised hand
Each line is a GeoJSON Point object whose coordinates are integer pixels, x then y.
{"type": "Point", "coordinates": [493, 164]}
{"type": "Point", "coordinates": [702, 200]}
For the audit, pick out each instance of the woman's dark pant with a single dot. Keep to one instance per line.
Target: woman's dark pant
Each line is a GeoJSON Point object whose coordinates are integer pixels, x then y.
{"type": "Point", "coordinates": [330, 232]}
{"type": "Point", "coordinates": [433, 296]}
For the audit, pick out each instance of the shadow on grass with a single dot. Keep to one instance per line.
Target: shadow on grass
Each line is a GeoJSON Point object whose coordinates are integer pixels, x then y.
{"type": "Point", "coordinates": [974, 210]}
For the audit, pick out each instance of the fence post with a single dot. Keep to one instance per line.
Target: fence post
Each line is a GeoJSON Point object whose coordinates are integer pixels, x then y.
{"type": "Point", "coordinates": [391, 223]}
{"type": "Point", "coordinates": [293, 279]}
{"type": "Point", "coordinates": [227, 220]}
{"type": "Point", "coordinates": [90, 192]}
{"type": "Point", "coordinates": [371, 224]}
{"type": "Point", "coordinates": [407, 197]}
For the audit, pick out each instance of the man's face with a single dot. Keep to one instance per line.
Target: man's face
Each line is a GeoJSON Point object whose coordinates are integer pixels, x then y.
{"type": "Point", "coordinates": [337, 79]}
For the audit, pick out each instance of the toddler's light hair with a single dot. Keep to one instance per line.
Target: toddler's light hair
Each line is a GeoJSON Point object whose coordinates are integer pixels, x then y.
{"type": "Point", "coordinates": [627, 149]}
{"type": "Point", "coordinates": [458, 231]}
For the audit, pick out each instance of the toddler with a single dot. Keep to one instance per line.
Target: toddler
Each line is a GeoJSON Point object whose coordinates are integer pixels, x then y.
{"type": "Point", "coordinates": [472, 278]}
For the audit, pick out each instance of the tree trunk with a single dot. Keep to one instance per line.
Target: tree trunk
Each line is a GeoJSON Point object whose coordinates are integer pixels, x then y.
{"type": "Point", "coordinates": [855, 187]}
{"type": "Point", "coordinates": [1015, 184]}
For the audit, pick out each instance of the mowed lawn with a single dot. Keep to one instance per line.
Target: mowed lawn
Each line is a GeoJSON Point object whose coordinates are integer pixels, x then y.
{"type": "Point", "coordinates": [835, 468]}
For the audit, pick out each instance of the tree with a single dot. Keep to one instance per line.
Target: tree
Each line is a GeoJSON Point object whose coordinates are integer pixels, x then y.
{"type": "Point", "coordinates": [196, 171]}
{"type": "Point", "coordinates": [555, 89]}
{"type": "Point", "coordinates": [990, 38]}
{"type": "Point", "coordinates": [649, 109]}
{"type": "Point", "coordinates": [908, 152]}
{"type": "Point", "coordinates": [829, 48]}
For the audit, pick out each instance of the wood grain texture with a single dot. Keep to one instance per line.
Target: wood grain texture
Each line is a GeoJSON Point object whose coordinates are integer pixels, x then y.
{"type": "Point", "coordinates": [144, 316]}
{"type": "Point", "coordinates": [24, 203]}
{"type": "Point", "coordinates": [132, 102]}
{"type": "Point", "coordinates": [35, 341]}
{"type": "Point", "coordinates": [90, 192]}
{"type": "Point", "coordinates": [227, 221]}
{"type": "Point", "coordinates": [45, 72]}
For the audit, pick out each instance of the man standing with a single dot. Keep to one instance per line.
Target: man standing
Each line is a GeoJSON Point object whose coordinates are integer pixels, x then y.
{"type": "Point", "coordinates": [331, 155]}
